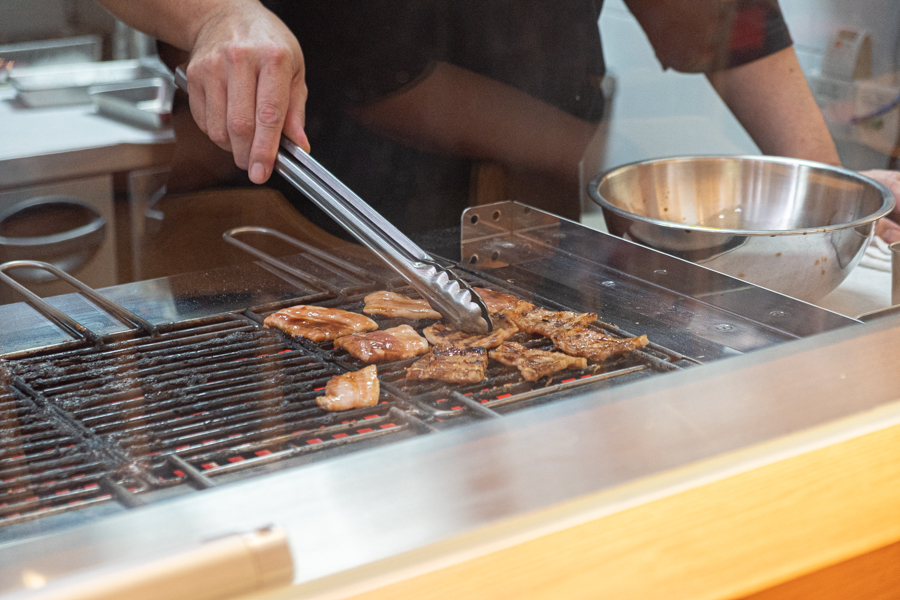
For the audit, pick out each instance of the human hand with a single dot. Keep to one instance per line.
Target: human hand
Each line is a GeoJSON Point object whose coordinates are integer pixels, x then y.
{"type": "Point", "coordinates": [885, 228]}
{"type": "Point", "coordinates": [246, 85]}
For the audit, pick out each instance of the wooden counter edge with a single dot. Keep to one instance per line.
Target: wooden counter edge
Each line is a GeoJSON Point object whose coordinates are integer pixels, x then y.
{"type": "Point", "coordinates": [721, 528]}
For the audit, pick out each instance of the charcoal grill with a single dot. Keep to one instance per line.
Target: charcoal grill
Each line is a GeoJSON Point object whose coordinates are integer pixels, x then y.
{"type": "Point", "coordinates": [149, 410]}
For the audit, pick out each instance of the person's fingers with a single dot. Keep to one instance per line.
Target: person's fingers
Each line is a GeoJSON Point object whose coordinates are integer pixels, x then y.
{"type": "Point", "coordinates": [242, 102]}
{"type": "Point", "coordinates": [890, 179]}
{"type": "Point", "coordinates": [217, 113]}
{"type": "Point", "coordinates": [272, 99]}
{"type": "Point", "coordinates": [197, 100]}
{"type": "Point", "coordinates": [891, 236]}
{"type": "Point", "coordinates": [887, 230]}
{"type": "Point", "coordinates": [295, 123]}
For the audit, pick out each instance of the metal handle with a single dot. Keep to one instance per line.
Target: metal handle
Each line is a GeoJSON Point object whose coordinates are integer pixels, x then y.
{"type": "Point", "coordinates": [52, 242]}
{"type": "Point", "coordinates": [59, 318]}
{"type": "Point", "coordinates": [281, 266]}
{"type": "Point", "coordinates": [228, 567]}
{"type": "Point", "coordinates": [69, 249]}
{"type": "Point", "coordinates": [452, 297]}
{"type": "Point", "coordinates": [343, 205]}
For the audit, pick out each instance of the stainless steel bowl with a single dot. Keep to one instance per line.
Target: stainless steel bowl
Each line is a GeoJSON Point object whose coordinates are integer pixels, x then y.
{"type": "Point", "coordinates": [797, 227]}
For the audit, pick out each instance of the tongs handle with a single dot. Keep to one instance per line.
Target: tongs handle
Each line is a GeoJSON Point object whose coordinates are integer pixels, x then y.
{"type": "Point", "coordinates": [352, 211]}
{"type": "Point", "coordinates": [342, 205]}
{"type": "Point", "coordinates": [452, 297]}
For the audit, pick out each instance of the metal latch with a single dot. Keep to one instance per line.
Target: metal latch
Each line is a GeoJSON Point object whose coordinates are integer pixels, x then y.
{"type": "Point", "coordinates": [225, 567]}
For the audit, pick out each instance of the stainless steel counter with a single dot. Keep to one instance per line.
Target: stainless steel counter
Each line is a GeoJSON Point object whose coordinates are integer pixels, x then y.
{"type": "Point", "coordinates": [47, 144]}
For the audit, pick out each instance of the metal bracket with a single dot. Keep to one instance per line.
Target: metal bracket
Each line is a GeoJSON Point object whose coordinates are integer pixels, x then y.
{"type": "Point", "coordinates": [506, 233]}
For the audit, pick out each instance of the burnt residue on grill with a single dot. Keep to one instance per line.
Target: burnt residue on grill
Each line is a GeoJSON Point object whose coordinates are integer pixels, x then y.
{"type": "Point", "coordinates": [220, 398]}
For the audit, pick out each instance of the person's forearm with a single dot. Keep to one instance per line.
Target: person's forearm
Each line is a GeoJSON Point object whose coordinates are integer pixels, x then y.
{"type": "Point", "coordinates": [771, 99]}
{"type": "Point", "coordinates": [456, 111]}
{"type": "Point", "coordinates": [174, 21]}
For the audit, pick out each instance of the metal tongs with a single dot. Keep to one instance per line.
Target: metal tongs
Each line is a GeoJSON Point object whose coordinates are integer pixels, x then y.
{"type": "Point", "coordinates": [445, 292]}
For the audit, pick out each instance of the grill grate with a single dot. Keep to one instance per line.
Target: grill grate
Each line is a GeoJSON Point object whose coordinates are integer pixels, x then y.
{"type": "Point", "coordinates": [193, 403]}
{"type": "Point", "coordinates": [215, 399]}
{"type": "Point", "coordinates": [43, 470]}
{"type": "Point", "coordinates": [504, 388]}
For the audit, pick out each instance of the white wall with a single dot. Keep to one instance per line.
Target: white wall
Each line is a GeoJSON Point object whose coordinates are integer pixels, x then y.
{"type": "Point", "coordinates": [813, 23]}
{"type": "Point", "coordinates": [656, 113]}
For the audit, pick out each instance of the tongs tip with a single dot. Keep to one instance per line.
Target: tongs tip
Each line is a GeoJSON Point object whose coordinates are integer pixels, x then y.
{"type": "Point", "coordinates": [477, 320]}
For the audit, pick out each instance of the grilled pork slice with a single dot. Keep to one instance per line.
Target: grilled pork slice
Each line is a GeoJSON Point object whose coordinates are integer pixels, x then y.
{"type": "Point", "coordinates": [317, 323]}
{"type": "Point", "coordinates": [589, 343]}
{"type": "Point", "coordinates": [534, 364]}
{"type": "Point", "coordinates": [389, 304]}
{"type": "Point", "coordinates": [351, 390]}
{"type": "Point", "coordinates": [532, 319]}
{"type": "Point", "coordinates": [396, 343]}
{"type": "Point", "coordinates": [497, 302]}
{"type": "Point", "coordinates": [453, 365]}
{"type": "Point", "coordinates": [444, 336]}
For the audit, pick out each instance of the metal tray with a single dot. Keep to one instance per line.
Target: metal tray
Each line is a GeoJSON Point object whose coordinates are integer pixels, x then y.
{"type": "Point", "coordinates": [69, 85]}
{"type": "Point", "coordinates": [145, 103]}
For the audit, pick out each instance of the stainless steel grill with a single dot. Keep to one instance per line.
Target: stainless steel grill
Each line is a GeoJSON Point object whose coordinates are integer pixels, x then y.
{"type": "Point", "coordinates": [199, 400]}
{"type": "Point", "coordinates": [115, 421]}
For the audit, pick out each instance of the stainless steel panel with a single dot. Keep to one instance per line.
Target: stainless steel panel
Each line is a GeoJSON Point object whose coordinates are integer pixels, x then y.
{"type": "Point", "coordinates": [353, 511]}
{"type": "Point", "coordinates": [699, 312]}
{"type": "Point", "coordinates": [66, 86]}
{"type": "Point", "coordinates": [145, 103]}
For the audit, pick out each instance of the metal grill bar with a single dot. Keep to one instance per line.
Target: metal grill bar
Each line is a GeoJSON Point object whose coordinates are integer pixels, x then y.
{"type": "Point", "coordinates": [42, 470]}
{"type": "Point", "coordinates": [504, 386]}
{"type": "Point", "coordinates": [220, 396]}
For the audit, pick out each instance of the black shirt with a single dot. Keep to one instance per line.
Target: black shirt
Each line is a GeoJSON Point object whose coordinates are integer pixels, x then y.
{"type": "Point", "coordinates": [360, 51]}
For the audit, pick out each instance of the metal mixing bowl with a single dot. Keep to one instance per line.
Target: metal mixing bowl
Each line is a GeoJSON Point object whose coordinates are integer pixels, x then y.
{"type": "Point", "coordinates": [793, 226]}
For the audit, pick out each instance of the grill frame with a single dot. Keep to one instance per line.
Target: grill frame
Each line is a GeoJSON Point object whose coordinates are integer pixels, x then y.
{"type": "Point", "coordinates": [407, 499]}
{"type": "Point", "coordinates": [132, 363]}
{"type": "Point", "coordinates": [425, 407]}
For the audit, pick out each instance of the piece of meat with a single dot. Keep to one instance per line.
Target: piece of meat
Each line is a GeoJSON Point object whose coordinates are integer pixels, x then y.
{"type": "Point", "coordinates": [444, 336]}
{"type": "Point", "coordinates": [351, 390]}
{"type": "Point", "coordinates": [319, 324]}
{"type": "Point", "coordinates": [396, 343]}
{"type": "Point", "coordinates": [389, 304]}
{"type": "Point", "coordinates": [497, 302]}
{"type": "Point", "coordinates": [534, 364]}
{"type": "Point", "coordinates": [589, 343]}
{"type": "Point", "coordinates": [453, 365]}
{"type": "Point", "coordinates": [532, 319]}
